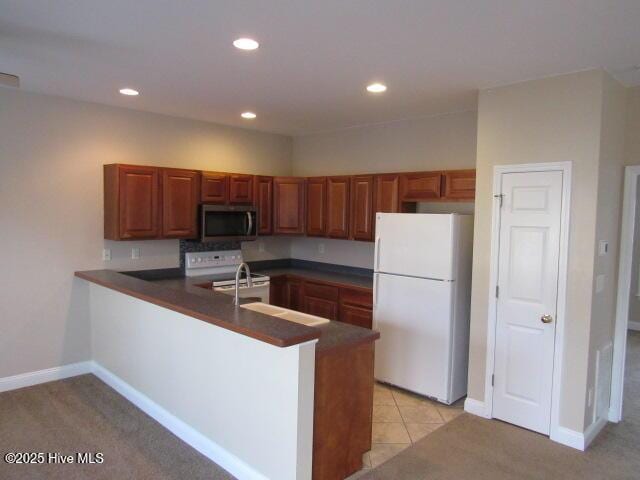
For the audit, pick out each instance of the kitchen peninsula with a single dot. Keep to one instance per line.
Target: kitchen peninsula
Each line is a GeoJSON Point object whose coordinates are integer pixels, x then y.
{"type": "Point", "coordinates": [258, 394]}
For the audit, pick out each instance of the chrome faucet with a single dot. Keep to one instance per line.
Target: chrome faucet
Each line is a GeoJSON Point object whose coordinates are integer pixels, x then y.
{"type": "Point", "coordinates": [236, 298]}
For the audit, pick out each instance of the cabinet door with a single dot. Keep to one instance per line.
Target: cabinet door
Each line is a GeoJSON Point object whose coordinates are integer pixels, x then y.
{"type": "Point", "coordinates": [288, 204]}
{"type": "Point", "coordinates": [321, 307]}
{"type": "Point", "coordinates": [316, 206]}
{"type": "Point", "coordinates": [362, 207]}
{"type": "Point", "coordinates": [295, 295]}
{"type": "Point", "coordinates": [460, 185]}
{"type": "Point", "coordinates": [359, 316]}
{"type": "Point", "coordinates": [278, 291]}
{"type": "Point", "coordinates": [214, 188]}
{"type": "Point", "coordinates": [241, 189]}
{"type": "Point", "coordinates": [338, 207]}
{"type": "Point", "coordinates": [180, 195]}
{"type": "Point", "coordinates": [264, 204]}
{"type": "Point", "coordinates": [387, 193]}
{"type": "Point", "coordinates": [138, 202]}
{"type": "Point", "coordinates": [420, 186]}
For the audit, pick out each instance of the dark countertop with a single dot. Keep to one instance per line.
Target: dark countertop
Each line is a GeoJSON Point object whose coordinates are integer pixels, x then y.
{"type": "Point", "coordinates": [360, 281]}
{"type": "Point", "coordinates": [169, 289]}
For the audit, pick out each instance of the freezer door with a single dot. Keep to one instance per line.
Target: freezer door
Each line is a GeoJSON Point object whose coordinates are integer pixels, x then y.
{"type": "Point", "coordinates": [419, 245]}
{"type": "Point", "coordinates": [413, 316]}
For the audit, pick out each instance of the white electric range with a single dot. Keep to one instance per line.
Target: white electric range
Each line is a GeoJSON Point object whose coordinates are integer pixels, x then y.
{"type": "Point", "coordinates": [220, 267]}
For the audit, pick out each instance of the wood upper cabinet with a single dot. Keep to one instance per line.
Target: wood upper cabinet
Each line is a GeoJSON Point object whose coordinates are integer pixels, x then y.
{"type": "Point", "coordinates": [338, 206]}
{"type": "Point", "coordinates": [131, 202]}
{"type": "Point", "coordinates": [460, 185]}
{"type": "Point", "coordinates": [316, 206]}
{"type": "Point", "coordinates": [180, 194]}
{"type": "Point", "coordinates": [240, 189]}
{"type": "Point", "coordinates": [420, 186]}
{"type": "Point", "coordinates": [361, 207]}
{"type": "Point", "coordinates": [288, 205]}
{"type": "Point", "coordinates": [387, 193]}
{"type": "Point", "coordinates": [214, 188]}
{"type": "Point", "coordinates": [264, 203]}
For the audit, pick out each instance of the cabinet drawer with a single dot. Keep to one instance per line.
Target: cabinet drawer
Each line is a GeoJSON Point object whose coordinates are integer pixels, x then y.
{"type": "Point", "coordinates": [320, 307]}
{"type": "Point", "coordinates": [352, 296]}
{"type": "Point", "coordinates": [361, 317]}
{"type": "Point", "coordinates": [319, 290]}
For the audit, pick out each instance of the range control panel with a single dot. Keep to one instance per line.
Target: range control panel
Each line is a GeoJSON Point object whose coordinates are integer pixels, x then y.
{"type": "Point", "coordinates": [226, 258]}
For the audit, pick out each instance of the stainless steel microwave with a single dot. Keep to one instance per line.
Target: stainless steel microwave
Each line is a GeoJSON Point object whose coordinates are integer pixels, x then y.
{"type": "Point", "coordinates": [223, 222]}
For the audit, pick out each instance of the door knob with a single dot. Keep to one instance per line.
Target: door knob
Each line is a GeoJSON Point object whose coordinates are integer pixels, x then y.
{"type": "Point", "coordinates": [546, 319]}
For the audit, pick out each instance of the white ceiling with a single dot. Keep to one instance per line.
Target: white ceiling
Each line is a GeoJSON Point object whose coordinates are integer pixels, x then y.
{"type": "Point", "coordinates": [316, 56]}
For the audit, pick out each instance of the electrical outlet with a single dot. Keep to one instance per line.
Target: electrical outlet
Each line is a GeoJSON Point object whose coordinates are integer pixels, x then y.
{"type": "Point", "coordinates": [135, 253]}
{"type": "Point", "coordinates": [261, 246]}
{"type": "Point", "coordinates": [106, 254]}
{"type": "Point", "coordinates": [321, 248]}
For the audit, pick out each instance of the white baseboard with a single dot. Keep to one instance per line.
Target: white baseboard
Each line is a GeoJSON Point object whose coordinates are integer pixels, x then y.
{"type": "Point", "coordinates": [43, 376]}
{"type": "Point", "coordinates": [476, 407]}
{"type": "Point", "coordinates": [182, 430]}
{"type": "Point", "coordinates": [578, 440]}
{"type": "Point", "coordinates": [634, 326]}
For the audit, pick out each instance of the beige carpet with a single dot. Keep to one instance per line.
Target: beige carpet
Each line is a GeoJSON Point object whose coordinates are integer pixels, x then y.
{"type": "Point", "coordinates": [470, 447]}
{"type": "Point", "coordinates": [82, 414]}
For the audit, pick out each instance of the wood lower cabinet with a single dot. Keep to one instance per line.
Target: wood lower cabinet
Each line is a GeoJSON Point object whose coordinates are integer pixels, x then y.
{"type": "Point", "coordinates": [295, 295]}
{"type": "Point", "coordinates": [342, 412]}
{"type": "Point", "coordinates": [264, 203]}
{"type": "Point", "coordinates": [214, 188]}
{"type": "Point", "coordinates": [316, 206]}
{"type": "Point", "coordinates": [338, 206]}
{"type": "Point", "coordinates": [180, 194]}
{"type": "Point", "coordinates": [348, 304]}
{"type": "Point", "coordinates": [361, 208]}
{"type": "Point", "coordinates": [240, 189]}
{"type": "Point", "coordinates": [460, 185]}
{"type": "Point", "coordinates": [288, 205]}
{"type": "Point", "coordinates": [387, 193]}
{"type": "Point", "coordinates": [131, 202]}
{"type": "Point", "coordinates": [420, 186]}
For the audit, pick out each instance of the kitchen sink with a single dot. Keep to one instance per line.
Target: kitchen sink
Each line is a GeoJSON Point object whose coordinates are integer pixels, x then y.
{"type": "Point", "coordinates": [285, 314]}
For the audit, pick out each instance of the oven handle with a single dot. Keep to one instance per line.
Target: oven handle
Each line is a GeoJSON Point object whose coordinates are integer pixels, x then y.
{"type": "Point", "coordinates": [250, 223]}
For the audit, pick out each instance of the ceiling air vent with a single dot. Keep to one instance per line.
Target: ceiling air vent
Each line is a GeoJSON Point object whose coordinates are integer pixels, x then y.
{"type": "Point", "coordinates": [8, 80]}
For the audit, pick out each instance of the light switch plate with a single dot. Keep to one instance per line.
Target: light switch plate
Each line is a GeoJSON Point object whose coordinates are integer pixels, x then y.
{"type": "Point", "coordinates": [321, 247]}
{"type": "Point", "coordinates": [135, 253]}
{"type": "Point", "coordinates": [106, 254]}
{"type": "Point", "coordinates": [603, 247]}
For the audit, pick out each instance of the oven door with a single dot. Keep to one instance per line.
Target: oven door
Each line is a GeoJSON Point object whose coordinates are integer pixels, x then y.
{"type": "Point", "coordinates": [228, 223]}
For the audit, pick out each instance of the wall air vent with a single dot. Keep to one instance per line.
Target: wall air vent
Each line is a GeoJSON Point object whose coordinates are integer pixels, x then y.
{"type": "Point", "coordinates": [8, 80]}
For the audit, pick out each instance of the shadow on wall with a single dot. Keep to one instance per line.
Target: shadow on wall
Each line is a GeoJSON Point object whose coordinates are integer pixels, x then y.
{"type": "Point", "coordinates": [76, 345]}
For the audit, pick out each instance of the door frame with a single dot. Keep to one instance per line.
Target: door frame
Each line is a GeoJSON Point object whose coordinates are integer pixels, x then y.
{"type": "Point", "coordinates": [555, 432]}
{"type": "Point", "coordinates": [631, 175]}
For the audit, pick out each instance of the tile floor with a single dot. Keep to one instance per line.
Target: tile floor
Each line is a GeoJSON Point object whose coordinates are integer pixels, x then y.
{"type": "Point", "coordinates": [401, 418]}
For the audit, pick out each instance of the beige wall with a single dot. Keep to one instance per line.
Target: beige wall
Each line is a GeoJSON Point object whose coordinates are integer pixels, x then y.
{"type": "Point", "coordinates": [549, 120]}
{"type": "Point", "coordinates": [609, 212]}
{"type": "Point", "coordinates": [632, 155]}
{"type": "Point", "coordinates": [52, 152]}
{"type": "Point", "coordinates": [432, 143]}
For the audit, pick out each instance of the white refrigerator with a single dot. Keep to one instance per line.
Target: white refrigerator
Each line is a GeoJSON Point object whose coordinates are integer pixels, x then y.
{"type": "Point", "coordinates": [422, 295]}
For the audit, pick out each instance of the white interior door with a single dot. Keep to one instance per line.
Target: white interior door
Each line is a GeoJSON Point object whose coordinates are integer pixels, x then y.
{"type": "Point", "coordinates": [529, 250]}
{"type": "Point", "coordinates": [413, 316]}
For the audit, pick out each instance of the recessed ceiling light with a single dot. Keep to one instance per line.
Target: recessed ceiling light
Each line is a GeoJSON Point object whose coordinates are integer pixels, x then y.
{"type": "Point", "coordinates": [376, 88]}
{"type": "Point", "coordinates": [129, 91]}
{"type": "Point", "coordinates": [248, 115]}
{"type": "Point", "coordinates": [246, 44]}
